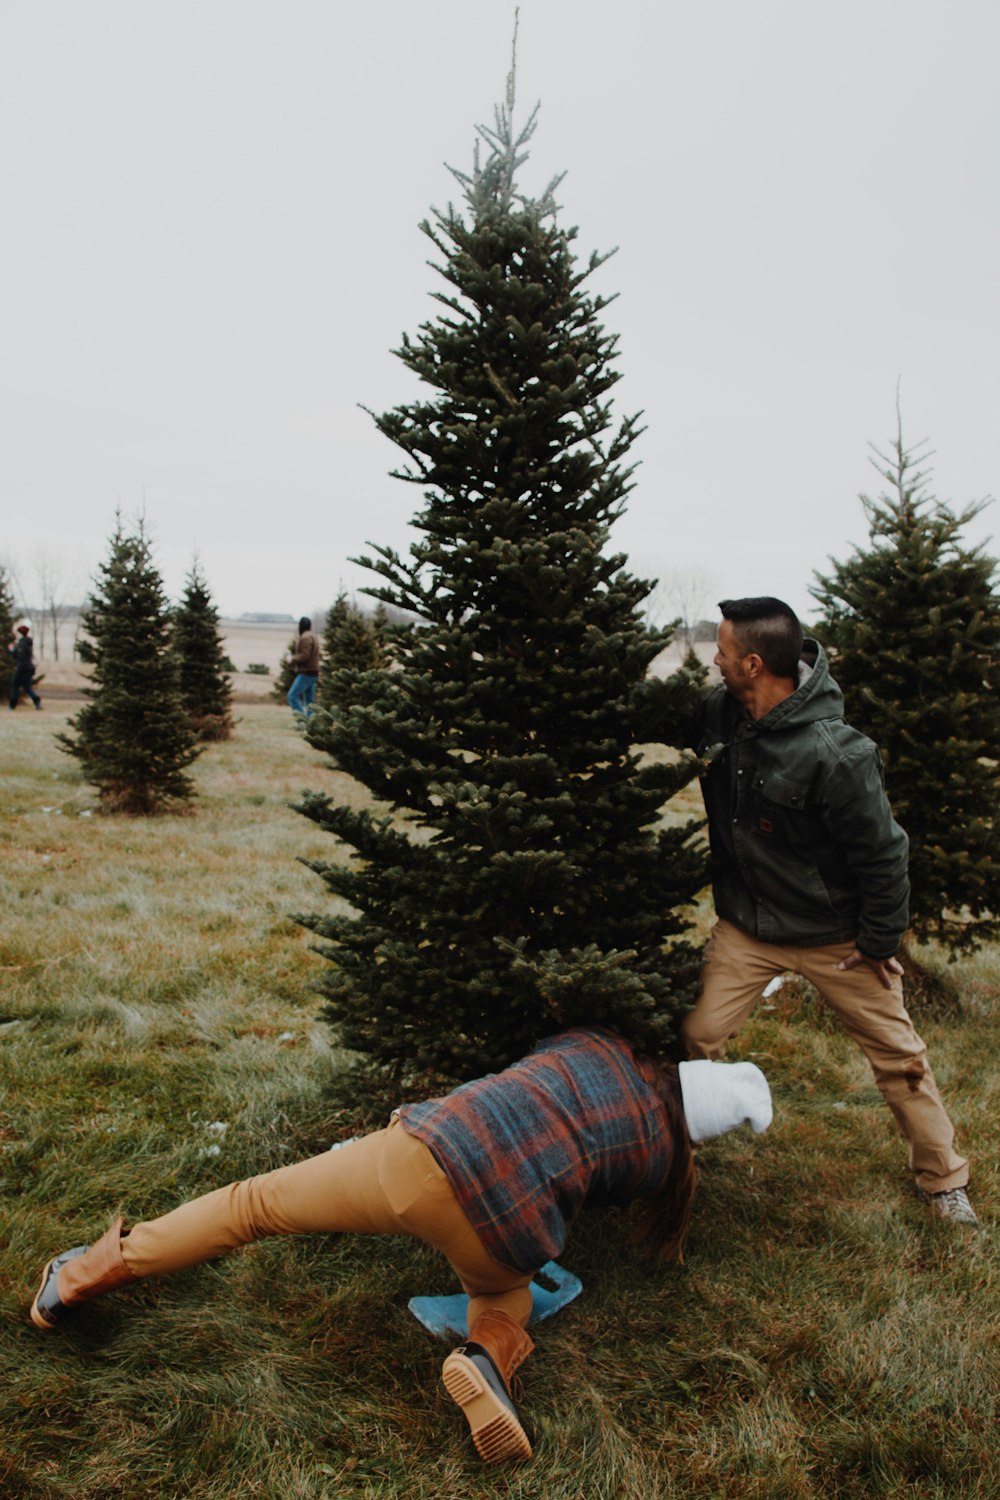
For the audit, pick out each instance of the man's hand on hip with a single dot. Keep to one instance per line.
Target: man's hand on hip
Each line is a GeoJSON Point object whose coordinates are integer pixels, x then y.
{"type": "Point", "coordinates": [885, 969]}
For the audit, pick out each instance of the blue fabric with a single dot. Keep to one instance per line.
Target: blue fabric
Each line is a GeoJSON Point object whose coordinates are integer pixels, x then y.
{"type": "Point", "coordinates": [447, 1317]}
{"type": "Point", "coordinates": [302, 693]}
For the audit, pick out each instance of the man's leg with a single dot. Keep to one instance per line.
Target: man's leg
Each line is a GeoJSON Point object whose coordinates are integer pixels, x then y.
{"type": "Point", "coordinates": [294, 695]}
{"type": "Point", "coordinates": [735, 970]}
{"type": "Point", "coordinates": [877, 1020]}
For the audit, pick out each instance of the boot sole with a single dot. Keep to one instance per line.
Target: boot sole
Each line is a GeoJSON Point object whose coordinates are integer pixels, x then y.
{"type": "Point", "coordinates": [37, 1317]}
{"type": "Point", "coordinates": [496, 1431]}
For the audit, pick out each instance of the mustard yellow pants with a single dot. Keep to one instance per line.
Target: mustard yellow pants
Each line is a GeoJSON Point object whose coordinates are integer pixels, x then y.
{"type": "Point", "coordinates": [384, 1183]}
{"type": "Point", "coordinates": [736, 969]}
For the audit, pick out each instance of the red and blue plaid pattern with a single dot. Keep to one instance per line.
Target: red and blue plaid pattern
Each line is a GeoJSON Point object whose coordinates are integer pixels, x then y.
{"type": "Point", "coordinates": [574, 1121]}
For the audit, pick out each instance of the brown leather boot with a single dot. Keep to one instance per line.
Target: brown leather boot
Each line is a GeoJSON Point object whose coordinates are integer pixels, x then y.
{"type": "Point", "coordinates": [477, 1377]}
{"type": "Point", "coordinates": [78, 1275]}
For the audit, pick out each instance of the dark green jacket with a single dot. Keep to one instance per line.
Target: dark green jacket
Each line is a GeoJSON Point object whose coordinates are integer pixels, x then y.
{"type": "Point", "coordinates": [804, 847]}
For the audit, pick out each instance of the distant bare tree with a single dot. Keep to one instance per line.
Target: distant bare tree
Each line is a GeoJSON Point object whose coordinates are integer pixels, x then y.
{"type": "Point", "coordinates": [20, 599]}
{"type": "Point", "coordinates": [57, 580]}
{"type": "Point", "coordinates": [685, 595]}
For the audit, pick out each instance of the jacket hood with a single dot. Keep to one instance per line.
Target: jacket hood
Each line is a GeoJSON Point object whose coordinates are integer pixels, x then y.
{"type": "Point", "coordinates": [816, 697]}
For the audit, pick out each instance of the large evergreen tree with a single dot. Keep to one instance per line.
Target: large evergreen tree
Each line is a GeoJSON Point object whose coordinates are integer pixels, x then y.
{"type": "Point", "coordinates": [206, 691]}
{"type": "Point", "coordinates": [7, 617]}
{"type": "Point", "coordinates": [913, 625]}
{"type": "Point", "coordinates": [514, 876]}
{"type": "Point", "coordinates": [132, 736]}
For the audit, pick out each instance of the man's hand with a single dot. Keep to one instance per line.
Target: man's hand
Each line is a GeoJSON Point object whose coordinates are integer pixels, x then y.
{"type": "Point", "coordinates": [884, 969]}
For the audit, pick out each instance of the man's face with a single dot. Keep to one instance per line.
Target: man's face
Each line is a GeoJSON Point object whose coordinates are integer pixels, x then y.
{"type": "Point", "coordinates": [731, 660]}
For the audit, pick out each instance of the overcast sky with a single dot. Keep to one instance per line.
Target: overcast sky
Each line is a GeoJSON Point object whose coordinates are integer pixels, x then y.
{"type": "Point", "coordinates": [210, 248]}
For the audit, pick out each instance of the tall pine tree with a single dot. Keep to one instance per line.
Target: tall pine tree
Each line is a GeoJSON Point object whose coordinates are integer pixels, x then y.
{"type": "Point", "coordinates": [913, 624]}
{"type": "Point", "coordinates": [133, 738]}
{"type": "Point", "coordinates": [206, 691]}
{"type": "Point", "coordinates": [514, 876]}
{"type": "Point", "coordinates": [6, 633]}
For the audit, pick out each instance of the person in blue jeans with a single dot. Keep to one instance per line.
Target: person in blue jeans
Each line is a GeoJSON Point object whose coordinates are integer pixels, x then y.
{"type": "Point", "coordinates": [305, 660]}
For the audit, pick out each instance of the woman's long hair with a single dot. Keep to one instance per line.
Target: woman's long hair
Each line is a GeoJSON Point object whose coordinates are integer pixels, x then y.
{"type": "Point", "coordinates": [661, 1218]}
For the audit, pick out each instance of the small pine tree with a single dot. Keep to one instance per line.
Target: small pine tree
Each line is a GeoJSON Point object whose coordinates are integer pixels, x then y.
{"type": "Point", "coordinates": [286, 674]}
{"type": "Point", "coordinates": [133, 738]}
{"type": "Point", "coordinates": [204, 687]}
{"type": "Point", "coordinates": [333, 621]}
{"type": "Point", "coordinates": [7, 618]}
{"type": "Point", "coordinates": [206, 691]}
{"type": "Point", "coordinates": [517, 877]}
{"type": "Point", "coordinates": [353, 642]}
{"type": "Point", "coordinates": [913, 624]}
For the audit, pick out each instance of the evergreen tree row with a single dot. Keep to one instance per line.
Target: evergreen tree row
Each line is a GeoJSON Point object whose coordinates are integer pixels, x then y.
{"type": "Point", "coordinates": [157, 685]}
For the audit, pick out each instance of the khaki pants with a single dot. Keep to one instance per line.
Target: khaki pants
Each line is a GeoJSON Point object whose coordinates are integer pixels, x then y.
{"type": "Point", "coordinates": [736, 969]}
{"type": "Point", "coordinates": [385, 1183]}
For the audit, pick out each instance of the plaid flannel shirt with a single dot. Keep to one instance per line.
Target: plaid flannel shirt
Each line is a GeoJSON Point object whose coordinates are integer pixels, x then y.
{"type": "Point", "coordinates": [525, 1149]}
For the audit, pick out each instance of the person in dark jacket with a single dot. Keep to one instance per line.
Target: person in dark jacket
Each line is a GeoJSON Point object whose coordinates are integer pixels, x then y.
{"type": "Point", "coordinates": [23, 651]}
{"type": "Point", "coordinates": [492, 1175]}
{"type": "Point", "coordinates": [809, 871]}
{"type": "Point", "coordinates": [305, 659]}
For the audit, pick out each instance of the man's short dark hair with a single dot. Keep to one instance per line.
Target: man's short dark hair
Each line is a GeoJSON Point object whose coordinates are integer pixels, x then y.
{"type": "Point", "coordinates": [768, 627]}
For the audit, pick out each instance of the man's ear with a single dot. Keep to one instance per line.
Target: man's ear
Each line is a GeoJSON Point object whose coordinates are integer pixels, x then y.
{"type": "Point", "coordinates": [755, 664]}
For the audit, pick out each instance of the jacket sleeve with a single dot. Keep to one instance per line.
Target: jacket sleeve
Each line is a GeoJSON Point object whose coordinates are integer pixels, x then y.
{"type": "Point", "coordinates": [858, 815]}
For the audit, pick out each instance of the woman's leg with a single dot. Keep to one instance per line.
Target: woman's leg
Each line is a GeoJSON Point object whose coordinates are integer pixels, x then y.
{"type": "Point", "coordinates": [338, 1191]}
{"type": "Point", "coordinates": [477, 1375]}
{"type": "Point", "coordinates": [421, 1197]}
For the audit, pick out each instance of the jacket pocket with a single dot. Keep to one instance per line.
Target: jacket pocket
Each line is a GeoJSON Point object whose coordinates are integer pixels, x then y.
{"type": "Point", "coordinates": [780, 809]}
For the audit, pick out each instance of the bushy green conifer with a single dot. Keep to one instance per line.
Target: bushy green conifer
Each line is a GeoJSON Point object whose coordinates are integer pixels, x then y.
{"type": "Point", "coordinates": [7, 618]}
{"type": "Point", "coordinates": [286, 673]}
{"type": "Point", "coordinates": [515, 875]}
{"type": "Point", "coordinates": [206, 691]}
{"type": "Point", "coordinates": [353, 642]}
{"type": "Point", "coordinates": [913, 626]}
{"type": "Point", "coordinates": [133, 738]}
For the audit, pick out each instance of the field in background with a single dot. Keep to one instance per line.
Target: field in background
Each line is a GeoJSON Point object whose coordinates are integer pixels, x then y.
{"type": "Point", "coordinates": [825, 1338]}
{"type": "Point", "coordinates": [244, 644]}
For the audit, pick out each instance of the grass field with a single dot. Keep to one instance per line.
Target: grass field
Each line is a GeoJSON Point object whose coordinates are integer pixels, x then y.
{"type": "Point", "coordinates": [824, 1338]}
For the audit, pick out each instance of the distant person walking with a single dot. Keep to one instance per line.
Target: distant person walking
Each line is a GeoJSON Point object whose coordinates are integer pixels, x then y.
{"type": "Point", "coordinates": [305, 660]}
{"type": "Point", "coordinates": [23, 652]}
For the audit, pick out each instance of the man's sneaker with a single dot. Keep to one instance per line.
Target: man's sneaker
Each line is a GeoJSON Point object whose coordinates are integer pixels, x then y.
{"type": "Point", "coordinates": [952, 1204]}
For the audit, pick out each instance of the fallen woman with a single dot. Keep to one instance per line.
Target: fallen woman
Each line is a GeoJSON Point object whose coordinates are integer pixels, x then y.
{"type": "Point", "coordinates": [492, 1175]}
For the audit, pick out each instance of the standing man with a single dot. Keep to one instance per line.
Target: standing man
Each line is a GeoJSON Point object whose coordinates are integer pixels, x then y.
{"type": "Point", "coordinates": [305, 660]}
{"type": "Point", "coordinates": [23, 651]}
{"type": "Point", "coordinates": [809, 872]}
